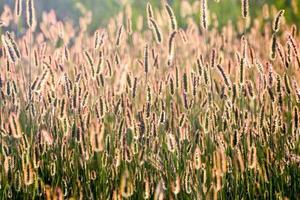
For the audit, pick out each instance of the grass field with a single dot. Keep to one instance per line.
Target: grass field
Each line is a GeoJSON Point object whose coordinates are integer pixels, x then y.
{"type": "Point", "coordinates": [149, 110]}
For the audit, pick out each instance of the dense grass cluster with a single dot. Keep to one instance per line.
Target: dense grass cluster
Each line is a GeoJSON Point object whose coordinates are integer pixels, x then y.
{"type": "Point", "coordinates": [151, 111]}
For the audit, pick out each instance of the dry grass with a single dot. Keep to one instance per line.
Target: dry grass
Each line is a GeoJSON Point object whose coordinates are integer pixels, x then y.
{"type": "Point", "coordinates": [156, 113]}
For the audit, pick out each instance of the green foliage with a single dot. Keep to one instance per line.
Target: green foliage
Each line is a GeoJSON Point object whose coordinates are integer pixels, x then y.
{"type": "Point", "coordinates": [103, 10]}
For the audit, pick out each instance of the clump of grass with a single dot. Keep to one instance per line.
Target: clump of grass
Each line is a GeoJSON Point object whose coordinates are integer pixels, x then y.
{"type": "Point", "coordinates": [124, 114]}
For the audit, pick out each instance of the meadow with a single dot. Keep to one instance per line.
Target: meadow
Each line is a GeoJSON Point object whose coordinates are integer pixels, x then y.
{"type": "Point", "coordinates": [149, 110]}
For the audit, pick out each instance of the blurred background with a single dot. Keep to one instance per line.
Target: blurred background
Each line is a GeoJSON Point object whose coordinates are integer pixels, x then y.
{"type": "Point", "coordinates": [103, 10]}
